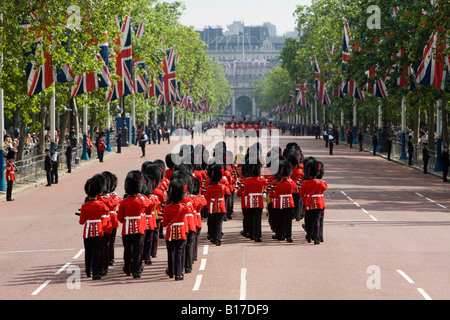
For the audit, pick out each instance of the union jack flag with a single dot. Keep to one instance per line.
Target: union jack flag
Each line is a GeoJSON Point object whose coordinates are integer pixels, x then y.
{"type": "Point", "coordinates": [169, 80]}
{"type": "Point", "coordinates": [159, 91]}
{"type": "Point", "coordinates": [321, 93]}
{"type": "Point", "coordinates": [300, 94]}
{"type": "Point", "coordinates": [92, 81]}
{"type": "Point", "coordinates": [39, 77]}
{"type": "Point", "coordinates": [349, 87]}
{"type": "Point", "coordinates": [376, 87]}
{"type": "Point", "coordinates": [432, 69]}
{"type": "Point", "coordinates": [124, 65]}
{"type": "Point", "coordinates": [42, 76]}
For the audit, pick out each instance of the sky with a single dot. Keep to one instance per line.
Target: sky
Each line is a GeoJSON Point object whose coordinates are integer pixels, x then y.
{"type": "Point", "coordinates": [204, 13]}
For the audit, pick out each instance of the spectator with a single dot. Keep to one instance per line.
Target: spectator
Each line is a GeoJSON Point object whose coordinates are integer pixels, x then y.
{"type": "Point", "coordinates": [445, 162]}
{"type": "Point", "coordinates": [48, 167]}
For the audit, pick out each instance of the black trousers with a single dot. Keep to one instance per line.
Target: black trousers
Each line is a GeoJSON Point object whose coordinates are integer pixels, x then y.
{"type": "Point", "coordinates": [245, 223]}
{"type": "Point", "coordinates": [69, 164]}
{"type": "Point", "coordinates": [9, 189]}
{"type": "Point", "coordinates": [92, 257]}
{"type": "Point", "coordinates": [175, 257]}
{"type": "Point", "coordinates": [255, 222]}
{"type": "Point", "coordinates": [143, 145]}
{"type": "Point", "coordinates": [425, 166]}
{"type": "Point", "coordinates": [297, 204]}
{"type": "Point", "coordinates": [277, 223]}
{"type": "Point", "coordinates": [445, 173]}
{"type": "Point", "coordinates": [189, 250]}
{"type": "Point", "coordinates": [215, 221]}
{"type": "Point", "coordinates": [314, 224]}
{"type": "Point", "coordinates": [49, 177]}
{"type": "Point", "coordinates": [55, 174]}
{"type": "Point", "coordinates": [132, 254]}
{"type": "Point", "coordinates": [101, 153]}
{"type": "Point", "coordinates": [286, 216]}
{"type": "Point", "coordinates": [148, 240]}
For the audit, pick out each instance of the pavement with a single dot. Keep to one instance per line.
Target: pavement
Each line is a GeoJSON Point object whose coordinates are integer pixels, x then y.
{"type": "Point", "coordinates": [386, 238]}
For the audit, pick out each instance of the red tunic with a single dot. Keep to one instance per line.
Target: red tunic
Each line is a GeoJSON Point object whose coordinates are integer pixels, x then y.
{"type": "Point", "coordinates": [312, 194]}
{"type": "Point", "coordinates": [130, 215]}
{"type": "Point", "coordinates": [253, 192]}
{"type": "Point", "coordinates": [282, 194]}
{"type": "Point", "coordinates": [215, 198]}
{"type": "Point", "coordinates": [175, 221]}
{"type": "Point", "coordinates": [91, 217]}
{"type": "Point", "coordinates": [10, 172]}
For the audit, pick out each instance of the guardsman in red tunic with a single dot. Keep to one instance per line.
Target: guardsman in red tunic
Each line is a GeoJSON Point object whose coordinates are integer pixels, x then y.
{"type": "Point", "coordinates": [312, 193]}
{"type": "Point", "coordinates": [215, 199]}
{"type": "Point", "coordinates": [253, 198]}
{"type": "Point", "coordinates": [283, 201]}
{"type": "Point", "coordinates": [133, 224]}
{"type": "Point", "coordinates": [113, 216]}
{"type": "Point", "coordinates": [294, 157]}
{"type": "Point", "coordinates": [91, 217]}
{"type": "Point", "coordinates": [10, 178]}
{"type": "Point", "coordinates": [177, 227]}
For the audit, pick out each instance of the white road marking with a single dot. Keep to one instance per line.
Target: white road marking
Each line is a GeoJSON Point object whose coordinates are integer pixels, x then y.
{"type": "Point", "coordinates": [424, 294]}
{"type": "Point", "coordinates": [62, 269]}
{"type": "Point", "coordinates": [198, 281]}
{"type": "Point", "coordinates": [37, 251]}
{"type": "Point", "coordinates": [205, 250]}
{"type": "Point", "coordinates": [404, 275]}
{"type": "Point", "coordinates": [36, 292]}
{"type": "Point", "coordinates": [78, 254]}
{"type": "Point", "coordinates": [431, 200]}
{"type": "Point", "coordinates": [203, 265]}
{"type": "Point", "coordinates": [373, 218]}
{"type": "Point", "coordinates": [243, 291]}
{"type": "Point", "coordinates": [359, 206]}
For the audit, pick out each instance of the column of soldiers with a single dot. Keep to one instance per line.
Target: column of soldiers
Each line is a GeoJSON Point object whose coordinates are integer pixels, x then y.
{"type": "Point", "coordinates": [175, 196]}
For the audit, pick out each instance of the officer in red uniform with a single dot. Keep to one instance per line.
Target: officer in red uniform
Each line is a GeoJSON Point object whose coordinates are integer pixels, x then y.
{"type": "Point", "coordinates": [130, 214]}
{"type": "Point", "coordinates": [253, 198]}
{"type": "Point", "coordinates": [10, 178]}
{"type": "Point", "coordinates": [312, 193]}
{"type": "Point", "coordinates": [91, 217]}
{"type": "Point", "coordinates": [215, 199]}
{"type": "Point", "coordinates": [177, 226]}
{"type": "Point", "coordinates": [283, 201]}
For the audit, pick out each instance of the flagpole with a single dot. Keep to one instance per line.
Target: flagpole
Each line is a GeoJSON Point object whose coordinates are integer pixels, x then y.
{"type": "Point", "coordinates": [108, 127]}
{"type": "Point", "coordinates": [133, 121]}
{"type": "Point", "coordinates": [53, 120]}
{"type": "Point", "coordinates": [403, 155]}
{"type": "Point", "coordinates": [355, 125]}
{"type": "Point", "coordinates": [380, 125]}
{"type": "Point", "coordinates": [2, 126]}
{"type": "Point", "coordinates": [85, 155]}
{"type": "Point", "coordinates": [438, 166]}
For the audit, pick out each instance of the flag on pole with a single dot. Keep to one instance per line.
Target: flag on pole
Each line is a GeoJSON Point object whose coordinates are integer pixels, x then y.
{"type": "Point", "coordinates": [169, 80]}
{"type": "Point", "coordinates": [432, 69]}
{"type": "Point", "coordinates": [124, 64]}
{"type": "Point", "coordinates": [91, 81]}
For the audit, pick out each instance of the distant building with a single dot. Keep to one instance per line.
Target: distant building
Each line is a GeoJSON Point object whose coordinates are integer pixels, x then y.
{"type": "Point", "coordinates": [247, 53]}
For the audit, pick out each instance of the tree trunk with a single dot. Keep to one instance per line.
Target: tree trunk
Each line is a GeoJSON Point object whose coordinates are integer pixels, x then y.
{"type": "Point", "coordinates": [64, 125]}
{"type": "Point", "coordinates": [416, 127]}
{"type": "Point", "coordinates": [22, 139]}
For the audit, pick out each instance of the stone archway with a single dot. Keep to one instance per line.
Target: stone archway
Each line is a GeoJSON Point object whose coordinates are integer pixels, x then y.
{"type": "Point", "coordinates": [243, 105]}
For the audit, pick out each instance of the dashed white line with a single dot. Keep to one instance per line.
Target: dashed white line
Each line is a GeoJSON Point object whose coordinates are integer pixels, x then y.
{"type": "Point", "coordinates": [431, 200]}
{"type": "Point", "coordinates": [205, 250]}
{"type": "Point", "coordinates": [359, 206]}
{"type": "Point", "coordinates": [404, 275]}
{"type": "Point", "coordinates": [424, 294]}
{"type": "Point", "coordinates": [198, 281]}
{"type": "Point", "coordinates": [36, 292]}
{"type": "Point", "coordinates": [78, 254]}
{"type": "Point", "coordinates": [62, 269]}
{"type": "Point", "coordinates": [243, 291]}
{"type": "Point", "coordinates": [202, 265]}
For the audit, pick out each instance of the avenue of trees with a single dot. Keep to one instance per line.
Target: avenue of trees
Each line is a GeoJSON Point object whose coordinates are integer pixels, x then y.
{"type": "Point", "coordinates": [321, 32]}
{"type": "Point", "coordinates": [70, 31]}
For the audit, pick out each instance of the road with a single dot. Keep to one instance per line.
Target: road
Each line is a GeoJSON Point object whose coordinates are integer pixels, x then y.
{"type": "Point", "coordinates": [386, 238]}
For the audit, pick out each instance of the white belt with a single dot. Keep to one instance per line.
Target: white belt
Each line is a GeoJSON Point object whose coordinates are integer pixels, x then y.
{"type": "Point", "coordinates": [127, 225]}
{"type": "Point", "coordinates": [212, 203]}
{"type": "Point", "coordinates": [255, 194]}
{"type": "Point", "coordinates": [317, 196]}
{"type": "Point", "coordinates": [175, 225]}
{"type": "Point", "coordinates": [88, 225]}
{"type": "Point", "coordinates": [285, 196]}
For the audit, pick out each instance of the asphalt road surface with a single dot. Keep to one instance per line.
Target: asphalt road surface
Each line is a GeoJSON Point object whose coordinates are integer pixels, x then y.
{"type": "Point", "coordinates": [386, 238]}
